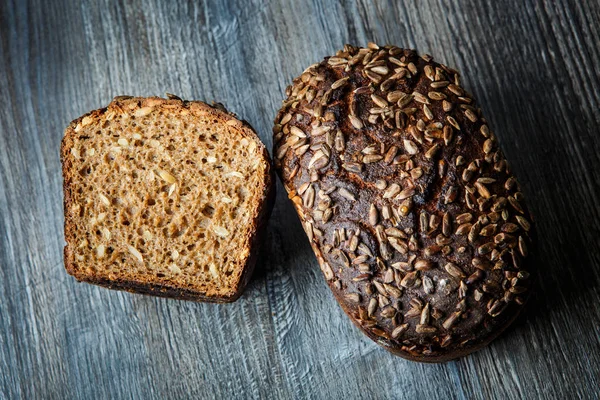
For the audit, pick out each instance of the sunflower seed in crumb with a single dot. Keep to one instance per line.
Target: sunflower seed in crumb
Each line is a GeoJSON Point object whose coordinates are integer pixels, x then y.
{"type": "Point", "coordinates": [100, 251]}
{"type": "Point", "coordinates": [134, 252]}
{"type": "Point", "coordinates": [104, 199]}
{"type": "Point", "coordinates": [220, 231]}
{"type": "Point", "coordinates": [167, 177]}
{"type": "Point", "coordinates": [142, 112]}
{"type": "Point", "coordinates": [235, 174]}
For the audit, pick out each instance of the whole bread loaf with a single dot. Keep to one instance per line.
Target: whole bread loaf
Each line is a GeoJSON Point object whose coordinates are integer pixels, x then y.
{"type": "Point", "coordinates": [165, 197]}
{"type": "Point", "coordinates": [419, 226]}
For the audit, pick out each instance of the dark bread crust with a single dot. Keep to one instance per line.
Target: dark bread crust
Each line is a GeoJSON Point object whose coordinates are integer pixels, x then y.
{"type": "Point", "coordinates": [417, 223]}
{"type": "Point", "coordinates": [145, 285]}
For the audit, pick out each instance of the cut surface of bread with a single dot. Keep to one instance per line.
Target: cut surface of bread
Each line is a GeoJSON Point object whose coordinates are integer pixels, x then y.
{"type": "Point", "coordinates": [164, 197]}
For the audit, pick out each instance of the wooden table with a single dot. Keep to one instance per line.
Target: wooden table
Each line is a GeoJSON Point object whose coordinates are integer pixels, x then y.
{"type": "Point", "coordinates": [534, 67]}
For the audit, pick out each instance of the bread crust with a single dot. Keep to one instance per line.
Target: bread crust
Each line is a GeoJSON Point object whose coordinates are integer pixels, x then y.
{"type": "Point", "coordinates": [417, 223]}
{"type": "Point", "coordinates": [147, 286]}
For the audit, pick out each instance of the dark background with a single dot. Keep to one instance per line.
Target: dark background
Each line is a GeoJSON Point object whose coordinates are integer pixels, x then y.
{"type": "Point", "coordinates": [532, 65]}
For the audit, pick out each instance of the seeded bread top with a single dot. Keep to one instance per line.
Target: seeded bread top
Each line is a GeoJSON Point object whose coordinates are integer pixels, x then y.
{"type": "Point", "coordinates": [419, 227]}
{"type": "Point", "coordinates": [164, 196]}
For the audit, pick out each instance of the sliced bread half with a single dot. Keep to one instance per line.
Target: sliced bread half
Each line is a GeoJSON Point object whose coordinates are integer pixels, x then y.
{"type": "Point", "coordinates": [164, 197]}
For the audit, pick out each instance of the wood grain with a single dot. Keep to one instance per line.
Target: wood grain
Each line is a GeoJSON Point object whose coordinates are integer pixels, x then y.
{"type": "Point", "coordinates": [532, 65]}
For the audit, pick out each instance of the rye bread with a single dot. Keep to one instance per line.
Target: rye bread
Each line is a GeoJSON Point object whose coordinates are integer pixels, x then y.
{"type": "Point", "coordinates": [418, 225]}
{"type": "Point", "coordinates": [165, 197]}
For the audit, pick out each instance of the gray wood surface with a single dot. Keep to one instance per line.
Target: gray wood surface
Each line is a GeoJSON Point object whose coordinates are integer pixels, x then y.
{"type": "Point", "coordinates": [534, 67]}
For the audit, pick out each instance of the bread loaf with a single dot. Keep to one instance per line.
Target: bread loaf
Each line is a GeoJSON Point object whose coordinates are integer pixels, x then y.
{"type": "Point", "coordinates": [164, 197]}
{"type": "Point", "coordinates": [418, 225]}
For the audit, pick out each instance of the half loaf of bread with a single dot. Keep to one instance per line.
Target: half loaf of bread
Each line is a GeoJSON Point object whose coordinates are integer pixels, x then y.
{"type": "Point", "coordinates": [164, 197]}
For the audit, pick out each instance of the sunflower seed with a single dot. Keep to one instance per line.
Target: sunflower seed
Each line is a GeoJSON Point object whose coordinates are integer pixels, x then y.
{"type": "Point", "coordinates": [409, 280]}
{"type": "Point", "coordinates": [410, 146]}
{"type": "Point", "coordinates": [294, 130]}
{"type": "Point", "coordinates": [316, 157]}
{"type": "Point", "coordinates": [134, 252]}
{"type": "Point", "coordinates": [419, 97]}
{"type": "Point", "coordinates": [345, 193]}
{"type": "Point", "coordinates": [451, 320]}
{"type": "Point", "coordinates": [399, 330]}
{"type": "Point", "coordinates": [524, 223]}
{"type": "Point", "coordinates": [339, 83]}
{"type": "Point", "coordinates": [372, 308]}
{"type": "Point", "coordinates": [352, 167]}
{"type": "Point", "coordinates": [454, 270]}
{"type": "Point", "coordinates": [432, 151]}
{"type": "Point", "coordinates": [394, 96]}
{"type": "Point", "coordinates": [372, 158]}
{"type": "Point", "coordinates": [471, 115]}
{"type": "Point", "coordinates": [446, 225]}
{"type": "Point", "coordinates": [522, 247]}
{"type": "Point", "coordinates": [356, 122]}
{"type": "Point", "coordinates": [425, 329]}
{"type": "Point", "coordinates": [488, 230]}
{"type": "Point", "coordinates": [453, 122]}
{"type": "Point", "coordinates": [398, 244]}
{"type": "Point", "coordinates": [309, 197]}
{"type": "Point", "coordinates": [482, 190]}
{"type": "Point", "coordinates": [451, 194]}
{"type": "Point", "coordinates": [373, 76]}
{"type": "Point", "coordinates": [447, 106]}
{"type": "Point", "coordinates": [510, 183]}
{"type": "Point", "coordinates": [373, 215]}
{"type": "Point", "coordinates": [488, 145]}
{"type": "Point", "coordinates": [515, 204]}
{"type": "Point", "coordinates": [423, 265]}
{"type": "Point", "coordinates": [486, 248]}
{"type": "Point", "coordinates": [379, 101]}
{"type": "Point", "coordinates": [436, 95]}
{"type": "Point", "coordinates": [353, 297]}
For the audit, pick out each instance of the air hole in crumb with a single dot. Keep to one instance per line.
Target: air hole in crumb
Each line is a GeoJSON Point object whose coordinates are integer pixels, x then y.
{"type": "Point", "coordinates": [125, 222]}
{"type": "Point", "coordinates": [151, 202]}
{"type": "Point", "coordinates": [208, 211]}
{"type": "Point", "coordinates": [160, 275]}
